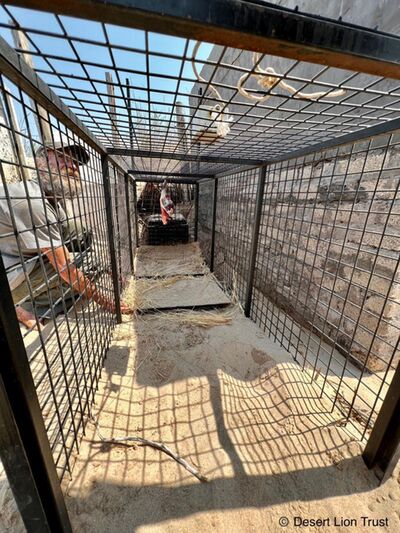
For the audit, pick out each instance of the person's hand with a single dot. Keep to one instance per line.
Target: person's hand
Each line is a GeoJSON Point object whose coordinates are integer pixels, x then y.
{"type": "Point", "coordinates": [27, 319]}
{"type": "Point", "coordinates": [109, 305]}
{"type": "Point", "coordinates": [104, 302]}
{"type": "Point", "coordinates": [125, 309]}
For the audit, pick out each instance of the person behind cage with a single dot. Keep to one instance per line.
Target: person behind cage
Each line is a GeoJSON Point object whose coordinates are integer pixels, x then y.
{"type": "Point", "coordinates": [36, 212]}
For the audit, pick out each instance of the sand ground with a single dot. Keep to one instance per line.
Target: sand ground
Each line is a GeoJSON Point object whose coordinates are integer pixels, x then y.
{"type": "Point", "coordinates": [234, 405]}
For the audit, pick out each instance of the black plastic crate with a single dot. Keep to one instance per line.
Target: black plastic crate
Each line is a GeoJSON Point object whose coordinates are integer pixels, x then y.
{"type": "Point", "coordinates": [176, 231]}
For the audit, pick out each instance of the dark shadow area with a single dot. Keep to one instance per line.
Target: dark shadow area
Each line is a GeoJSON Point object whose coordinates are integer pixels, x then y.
{"type": "Point", "coordinates": [157, 504]}
{"type": "Point", "coordinates": [116, 365]}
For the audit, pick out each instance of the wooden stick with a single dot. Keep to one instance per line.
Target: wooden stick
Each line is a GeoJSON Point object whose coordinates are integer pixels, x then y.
{"type": "Point", "coordinates": [157, 445]}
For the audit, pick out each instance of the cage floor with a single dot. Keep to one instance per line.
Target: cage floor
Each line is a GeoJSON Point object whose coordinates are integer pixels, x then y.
{"type": "Point", "coordinates": [153, 261]}
{"type": "Point", "coordinates": [234, 405]}
{"type": "Point", "coordinates": [186, 292]}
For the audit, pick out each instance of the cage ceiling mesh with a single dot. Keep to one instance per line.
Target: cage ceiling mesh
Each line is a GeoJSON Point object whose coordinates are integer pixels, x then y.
{"type": "Point", "coordinates": [138, 90]}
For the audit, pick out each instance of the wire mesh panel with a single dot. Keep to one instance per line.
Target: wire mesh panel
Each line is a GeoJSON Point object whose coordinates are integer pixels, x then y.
{"type": "Point", "coordinates": [55, 246]}
{"type": "Point", "coordinates": [234, 224]}
{"type": "Point", "coordinates": [206, 198]}
{"type": "Point", "coordinates": [326, 281]}
{"type": "Point", "coordinates": [172, 101]}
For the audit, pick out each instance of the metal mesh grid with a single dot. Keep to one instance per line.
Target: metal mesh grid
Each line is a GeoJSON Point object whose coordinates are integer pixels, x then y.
{"type": "Point", "coordinates": [326, 279]}
{"type": "Point", "coordinates": [233, 232]}
{"type": "Point", "coordinates": [47, 218]}
{"type": "Point", "coordinates": [151, 101]}
{"type": "Point", "coordinates": [206, 193]}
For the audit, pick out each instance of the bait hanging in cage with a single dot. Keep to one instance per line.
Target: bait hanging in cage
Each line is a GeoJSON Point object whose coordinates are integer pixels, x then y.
{"type": "Point", "coordinates": [212, 121]}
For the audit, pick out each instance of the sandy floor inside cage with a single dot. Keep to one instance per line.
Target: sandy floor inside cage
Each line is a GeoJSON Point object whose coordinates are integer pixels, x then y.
{"type": "Point", "coordinates": [236, 407]}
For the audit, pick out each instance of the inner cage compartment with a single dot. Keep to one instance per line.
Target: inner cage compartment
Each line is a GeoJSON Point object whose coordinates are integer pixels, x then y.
{"type": "Point", "coordinates": [286, 172]}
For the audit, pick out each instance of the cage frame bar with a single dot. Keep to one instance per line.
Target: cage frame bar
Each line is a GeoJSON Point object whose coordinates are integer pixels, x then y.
{"type": "Point", "coordinates": [161, 180]}
{"type": "Point", "coordinates": [196, 206]}
{"type": "Point", "coordinates": [213, 224]}
{"type": "Point", "coordinates": [384, 440]}
{"type": "Point", "coordinates": [17, 468]}
{"type": "Point", "coordinates": [146, 154]}
{"type": "Point", "coordinates": [169, 174]}
{"type": "Point", "coordinates": [128, 180]}
{"type": "Point", "coordinates": [105, 163]}
{"type": "Point", "coordinates": [266, 28]}
{"type": "Point", "coordinates": [25, 423]}
{"type": "Point", "coordinates": [135, 200]}
{"type": "Point", "coordinates": [254, 240]}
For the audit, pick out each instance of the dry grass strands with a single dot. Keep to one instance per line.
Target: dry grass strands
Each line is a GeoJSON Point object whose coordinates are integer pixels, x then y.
{"type": "Point", "coordinates": [137, 291]}
{"type": "Point", "coordinates": [170, 260]}
{"type": "Point", "coordinates": [166, 267]}
{"type": "Point", "coordinates": [202, 319]}
{"type": "Point", "coordinates": [178, 267]}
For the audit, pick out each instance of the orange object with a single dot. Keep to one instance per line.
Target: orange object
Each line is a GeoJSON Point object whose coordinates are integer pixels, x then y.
{"type": "Point", "coordinates": [164, 216]}
{"type": "Point", "coordinates": [166, 204]}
